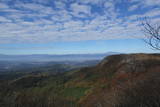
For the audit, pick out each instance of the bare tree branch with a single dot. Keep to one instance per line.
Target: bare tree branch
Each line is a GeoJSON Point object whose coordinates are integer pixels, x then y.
{"type": "Point", "coordinates": [152, 34]}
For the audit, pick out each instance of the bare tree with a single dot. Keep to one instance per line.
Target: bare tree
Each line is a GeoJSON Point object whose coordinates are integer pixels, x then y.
{"type": "Point", "coordinates": [152, 33]}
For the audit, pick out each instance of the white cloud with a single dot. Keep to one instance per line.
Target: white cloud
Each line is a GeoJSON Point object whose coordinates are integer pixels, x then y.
{"type": "Point", "coordinates": [35, 8]}
{"type": "Point", "coordinates": [99, 2]}
{"type": "Point", "coordinates": [110, 9]}
{"type": "Point", "coordinates": [150, 14]}
{"type": "Point", "coordinates": [62, 16]}
{"type": "Point", "coordinates": [146, 3]}
{"type": "Point", "coordinates": [133, 7]}
{"type": "Point", "coordinates": [109, 4]}
{"type": "Point", "coordinates": [4, 19]}
{"type": "Point", "coordinates": [49, 25]}
{"type": "Point", "coordinates": [79, 9]}
{"type": "Point", "coordinates": [60, 5]}
{"type": "Point", "coordinates": [151, 2]}
{"type": "Point", "coordinates": [3, 6]}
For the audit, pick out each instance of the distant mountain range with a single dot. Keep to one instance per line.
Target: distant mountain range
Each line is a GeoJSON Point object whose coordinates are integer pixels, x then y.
{"type": "Point", "coordinates": [46, 57]}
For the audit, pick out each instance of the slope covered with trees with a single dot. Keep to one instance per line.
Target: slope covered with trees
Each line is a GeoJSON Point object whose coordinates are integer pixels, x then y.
{"type": "Point", "coordinates": [117, 81]}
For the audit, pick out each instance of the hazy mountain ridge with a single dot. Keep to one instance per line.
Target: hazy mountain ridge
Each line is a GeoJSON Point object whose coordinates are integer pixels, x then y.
{"type": "Point", "coordinates": [46, 57]}
{"type": "Point", "coordinates": [15, 62]}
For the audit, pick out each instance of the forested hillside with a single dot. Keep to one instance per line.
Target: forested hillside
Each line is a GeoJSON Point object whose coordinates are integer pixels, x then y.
{"type": "Point", "coordinates": [117, 81]}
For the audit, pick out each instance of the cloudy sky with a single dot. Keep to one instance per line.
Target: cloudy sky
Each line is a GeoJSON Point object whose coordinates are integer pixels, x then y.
{"type": "Point", "coordinates": [74, 26]}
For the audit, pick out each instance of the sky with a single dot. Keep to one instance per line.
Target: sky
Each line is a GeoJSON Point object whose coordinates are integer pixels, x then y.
{"type": "Point", "coordinates": [75, 26]}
